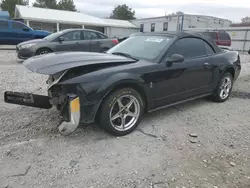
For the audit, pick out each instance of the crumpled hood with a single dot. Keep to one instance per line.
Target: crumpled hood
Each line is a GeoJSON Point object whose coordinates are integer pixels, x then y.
{"type": "Point", "coordinates": [56, 62]}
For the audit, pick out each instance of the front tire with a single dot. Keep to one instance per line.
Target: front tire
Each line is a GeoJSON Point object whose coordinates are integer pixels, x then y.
{"type": "Point", "coordinates": [121, 111]}
{"type": "Point", "coordinates": [224, 88]}
{"type": "Point", "coordinates": [43, 51]}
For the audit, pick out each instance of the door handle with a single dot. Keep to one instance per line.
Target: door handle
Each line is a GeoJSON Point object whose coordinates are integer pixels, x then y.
{"type": "Point", "coordinates": [207, 65]}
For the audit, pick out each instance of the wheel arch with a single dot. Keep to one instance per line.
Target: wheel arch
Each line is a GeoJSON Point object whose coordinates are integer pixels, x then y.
{"type": "Point", "coordinates": [43, 48]}
{"type": "Point", "coordinates": [230, 70]}
{"type": "Point", "coordinates": [125, 84]}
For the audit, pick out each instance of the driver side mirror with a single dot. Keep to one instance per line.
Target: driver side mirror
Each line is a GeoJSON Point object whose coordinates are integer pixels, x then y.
{"type": "Point", "coordinates": [61, 39]}
{"type": "Point", "coordinates": [175, 58]}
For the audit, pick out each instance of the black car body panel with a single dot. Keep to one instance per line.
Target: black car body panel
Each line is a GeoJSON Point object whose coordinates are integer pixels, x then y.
{"type": "Point", "coordinates": [92, 76]}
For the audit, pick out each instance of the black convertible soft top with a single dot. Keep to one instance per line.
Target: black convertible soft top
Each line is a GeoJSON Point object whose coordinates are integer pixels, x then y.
{"type": "Point", "coordinates": [183, 35]}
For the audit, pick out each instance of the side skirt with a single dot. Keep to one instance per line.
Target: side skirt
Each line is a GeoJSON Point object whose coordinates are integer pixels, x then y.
{"type": "Point", "coordinates": [179, 102]}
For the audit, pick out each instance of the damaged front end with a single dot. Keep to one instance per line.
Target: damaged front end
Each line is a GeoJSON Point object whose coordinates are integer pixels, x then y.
{"type": "Point", "coordinates": [68, 104]}
{"type": "Point", "coordinates": [77, 102]}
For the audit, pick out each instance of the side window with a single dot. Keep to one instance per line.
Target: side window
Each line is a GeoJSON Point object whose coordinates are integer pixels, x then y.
{"type": "Point", "coordinates": [71, 36]}
{"type": "Point", "coordinates": [213, 35]}
{"type": "Point", "coordinates": [100, 36]}
{"type": "Point", "coordinates": [209, 49]}
{"type": "Point", "coordinates": [3, 24]}
{"type": "Point", "coordinates": [224, 36]}
{"type": "Point", "coordinates": [18, 26]}
{"type": "Point", "coordinates": [207, 34]}
{"type": "Point", "coordinates": [188, 47]}
{"type": "Point", "coordinates": [88, 35]}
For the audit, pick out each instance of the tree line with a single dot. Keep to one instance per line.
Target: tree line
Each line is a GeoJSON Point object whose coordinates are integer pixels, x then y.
{"type": "Point", "coordinates": [122, 12]}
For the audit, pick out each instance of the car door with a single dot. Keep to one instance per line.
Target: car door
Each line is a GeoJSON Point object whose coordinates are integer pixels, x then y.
{"type": "Point", "coordinates": [100, 42]}
{"type": "Point", "coordinates": [96, 42]}
{"type": "Point", "coordinates": [21, 32]}
{"type": "Point", "coordinates": [186, 79]}
{"type": "Point", "coordinates": [71, 41]}
{"type": "Point", "coordinates": [4, 32]}
{"type": "Point", "coordinates": [87, 40]}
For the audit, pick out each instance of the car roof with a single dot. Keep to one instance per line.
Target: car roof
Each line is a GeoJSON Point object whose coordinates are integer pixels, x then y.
{"type": "Point", "coordinates": [180, 34]}
{"type": "Point", "coordinates": [76, 29]}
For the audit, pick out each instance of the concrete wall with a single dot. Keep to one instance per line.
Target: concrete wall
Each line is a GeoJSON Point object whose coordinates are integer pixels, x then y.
{"type": "Point", "coordinates": [43, 26]}
{"type": "Point", "coordinates": [119, 32]}
{"type": "Point", "coordinates": [101, 29]}
{"type": "Point", "coordinates": [172, 23]}
{"type": "Point", "coordinates": [240, 36]}
{"type": "Point", "coordinates": [188, 22]}
{"type": "Point", "coordinates": [67, 26]}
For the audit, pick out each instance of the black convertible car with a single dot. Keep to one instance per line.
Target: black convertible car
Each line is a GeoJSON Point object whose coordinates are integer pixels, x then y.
{"type": "Point", "coordinates": [146, 72]}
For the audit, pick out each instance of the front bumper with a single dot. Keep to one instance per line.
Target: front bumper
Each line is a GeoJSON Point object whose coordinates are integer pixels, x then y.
{"type": "Point", "coordinates": [27, 99]}
{"type": "Point", "coordinates": [25, 53]}
{"type": "Point", "coordinates": [72, 110]}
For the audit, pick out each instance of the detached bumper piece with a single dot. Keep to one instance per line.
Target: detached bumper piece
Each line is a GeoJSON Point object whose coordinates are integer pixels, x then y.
{"type": "Point", "coordinates": [66, 128]}
{"type": "Point", "coordinates": [27, 99]}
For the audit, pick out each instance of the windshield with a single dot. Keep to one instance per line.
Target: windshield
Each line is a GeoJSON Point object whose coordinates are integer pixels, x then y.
{"type": "Point", "coordinates": [53, 36]}
{"type": "Point", "coordinates": [142, 47]}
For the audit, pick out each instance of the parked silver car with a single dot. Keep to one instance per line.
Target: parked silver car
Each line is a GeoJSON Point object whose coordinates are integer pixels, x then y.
{"type": "Point", "coordinates": [67, 40]}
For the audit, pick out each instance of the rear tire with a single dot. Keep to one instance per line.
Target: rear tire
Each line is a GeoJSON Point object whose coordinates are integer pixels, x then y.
{"type": "Point", "coordinates": [121, 111]}
{"type": "Point", "coordinates": [224, 88]}
{"type": "Point", "coordinates": [43, 51]}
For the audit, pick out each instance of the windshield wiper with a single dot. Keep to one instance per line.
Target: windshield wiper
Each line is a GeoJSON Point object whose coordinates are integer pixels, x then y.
{"type": "Point", "coordinates": [125, 55]}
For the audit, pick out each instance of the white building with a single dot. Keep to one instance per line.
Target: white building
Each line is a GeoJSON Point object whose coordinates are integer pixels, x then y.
{"type": "Point", "coordinates": [56, 20]}
{"type": "Point", "coordinates": [178, 22]}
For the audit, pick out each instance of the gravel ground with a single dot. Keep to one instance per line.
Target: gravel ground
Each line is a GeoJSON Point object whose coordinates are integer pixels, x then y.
{"type": "Point", "coordinates": [160, 153]}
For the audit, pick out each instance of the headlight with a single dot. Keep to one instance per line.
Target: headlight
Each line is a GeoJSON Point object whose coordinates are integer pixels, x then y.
{"type": "Point", "coordinates": [27, 46]}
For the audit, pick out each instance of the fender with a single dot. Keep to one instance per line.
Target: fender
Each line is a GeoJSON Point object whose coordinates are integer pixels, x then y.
{"type": "Point", "coordinates": [122, 79]}
{"type": "Point", "coordinates": [97, 91]}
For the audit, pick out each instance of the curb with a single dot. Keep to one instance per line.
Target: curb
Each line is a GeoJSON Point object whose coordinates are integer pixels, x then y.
{"type": "Point", "coordinates": [7, 49]}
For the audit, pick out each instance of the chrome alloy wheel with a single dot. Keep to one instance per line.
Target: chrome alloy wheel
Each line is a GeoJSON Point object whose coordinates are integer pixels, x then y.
{"type": "Point", "coordinates": [225, 87]}
{"type": "Point", "coordinates": [124, 112]}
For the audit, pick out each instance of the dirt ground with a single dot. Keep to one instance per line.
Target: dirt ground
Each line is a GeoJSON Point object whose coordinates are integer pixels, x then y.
{"type": "Point", "coordinates": [160, 153]}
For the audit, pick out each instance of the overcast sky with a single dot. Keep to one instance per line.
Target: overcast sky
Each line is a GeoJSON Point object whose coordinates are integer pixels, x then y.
{"type": "Point", "coordinates": [233, 10]}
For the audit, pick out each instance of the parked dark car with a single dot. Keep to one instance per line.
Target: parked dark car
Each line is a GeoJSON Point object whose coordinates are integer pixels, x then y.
{"type": "Point", "coordinates": [144, 73]}
{"type": "Point", "coordinates": [221, 38]}
{"type": "Point", "coordinates": [14, 32]}
{"type": "Point", "coordinates": [67, 40]}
